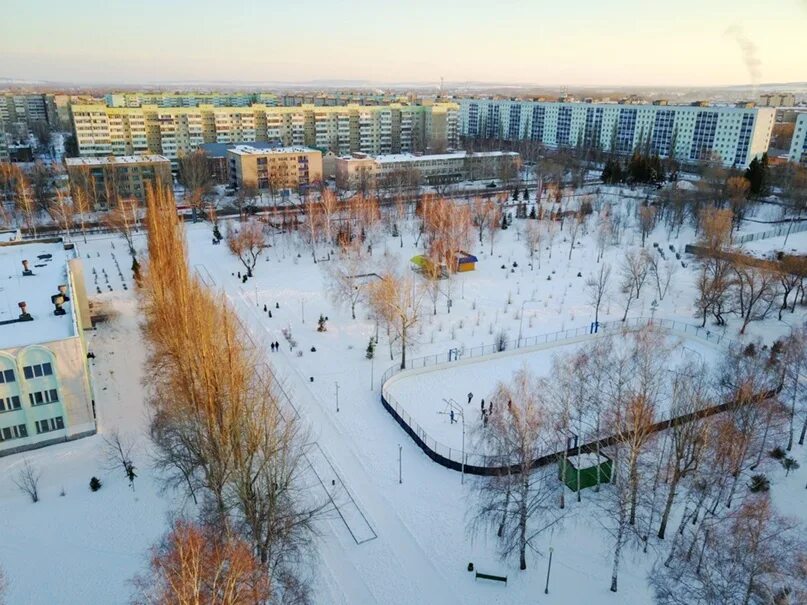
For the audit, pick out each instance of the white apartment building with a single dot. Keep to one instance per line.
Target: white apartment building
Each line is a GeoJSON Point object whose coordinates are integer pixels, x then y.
{"type": "Point", "coordinates": [798, 145]}
{"type": "Point", "coordinates": [692, 133]}
{"type": "Point", "coordinates": [172, 131]}
{"type": "Point", "coordinates": [45, 390]}
{"type": "Point", "coordinates": [189, 99]}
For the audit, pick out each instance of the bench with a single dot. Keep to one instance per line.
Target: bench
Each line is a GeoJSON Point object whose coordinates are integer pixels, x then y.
{"type": "Point", "coordinates": [487, 576]}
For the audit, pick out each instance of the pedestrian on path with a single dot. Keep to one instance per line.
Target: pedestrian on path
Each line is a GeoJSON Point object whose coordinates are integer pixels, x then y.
{"type": "Point", "coordinates": [470, 396]}
{"type": "Point", "coordinates": [452, 417]}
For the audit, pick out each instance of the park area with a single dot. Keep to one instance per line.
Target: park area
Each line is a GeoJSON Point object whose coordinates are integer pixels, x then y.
{"type": "Point", "coordinates": [398, 526]}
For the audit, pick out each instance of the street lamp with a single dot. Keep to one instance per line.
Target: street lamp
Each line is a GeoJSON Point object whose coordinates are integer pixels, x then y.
{"type": "Point", "coordinates": [458, 408]}
{"type": "Point", "coordinates": [337, 396]}
{"type": "Point", "coordinates": [548, 569]}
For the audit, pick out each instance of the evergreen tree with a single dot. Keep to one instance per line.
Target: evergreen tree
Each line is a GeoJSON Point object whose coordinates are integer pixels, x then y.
{"type": "Point", "coordinates": [370, 352]}
{"type": "Point", "coordinates": [526, 197]}
{"type": "Point", "coordinates": [321, 327]}
{"type": "Point", "coordinates": [757, 175]}
{"type": "Point", "coordinates": [515, 194]}
{"type": "Point", "coordinates": [532, 213]}
{"type": "Point", "coordinates": [504, 221]}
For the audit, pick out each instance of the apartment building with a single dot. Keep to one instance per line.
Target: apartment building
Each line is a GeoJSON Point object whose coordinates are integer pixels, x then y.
{"type": "Point", "coordinates": [172, 131]}
{"type": "Point", "coordinates": [19, 112]}
{"type": "Point", "coordinates": [4, 157]}
{"type": "Point", "coordinates": [798, 145]}
{"type": "Point", "coordinates": [784, 99]}
{"type": "Point", "coordinates": [45, 389]}
{"type": "Point", "coordinates": [276, 168]}
{"type": "Point", "coordinates": [118, 176]}
{"type": "Point", "coordinates": [360, 170]}
{"type": "Point", "coordinates": [189, 99]}
{"type": "Point", "coordinates": [692, 133]}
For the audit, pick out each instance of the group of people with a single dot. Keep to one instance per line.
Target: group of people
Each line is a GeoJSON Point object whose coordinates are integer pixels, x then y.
{"type": "Point", "coordinates": [485, 412]}
{"type": "Point", "coordinates": [274, 346]}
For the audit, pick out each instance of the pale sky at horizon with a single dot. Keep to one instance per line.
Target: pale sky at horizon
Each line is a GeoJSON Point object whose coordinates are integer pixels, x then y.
{"type": "Point", "coordinates": [588, 42]}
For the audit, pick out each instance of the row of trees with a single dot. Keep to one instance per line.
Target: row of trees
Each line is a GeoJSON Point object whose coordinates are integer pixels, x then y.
{"type": "Point", "coordinates": [220, 435]}
{"type": "Point", "coordinates": [730, 545]}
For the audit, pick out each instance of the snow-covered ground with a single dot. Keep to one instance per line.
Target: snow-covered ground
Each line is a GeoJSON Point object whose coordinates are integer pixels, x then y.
{"type": "Point", "coordinates": [83, 547]}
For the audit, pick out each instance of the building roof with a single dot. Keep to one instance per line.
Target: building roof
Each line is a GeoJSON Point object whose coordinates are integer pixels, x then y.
{"type": "Point", "coordinates": [48, 262]}
{"type": "Point", "coordinates": [219, 150]}
{"type": "Point", "coordinates": [117, 159]}
{"type": "Point", "coordinates": [252, 150]}
{"type": "Point", "coordinates": [395, 158]}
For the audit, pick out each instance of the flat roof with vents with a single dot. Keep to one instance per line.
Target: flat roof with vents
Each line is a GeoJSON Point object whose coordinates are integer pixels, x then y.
{"type": "Point", "coordinates": [48, 264]}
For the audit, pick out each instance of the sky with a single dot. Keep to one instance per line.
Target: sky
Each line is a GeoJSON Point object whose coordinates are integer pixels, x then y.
{"type": "Point", "coordinates": [578, 43]}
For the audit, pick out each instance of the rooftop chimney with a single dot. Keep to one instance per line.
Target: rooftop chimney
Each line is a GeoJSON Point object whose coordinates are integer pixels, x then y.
{"type": "Point", "coordinates": [58, 301]}
{"type": "Point", "coordinates": [25, 269]}
{"type": "Point", "coordinates": [24, 315]}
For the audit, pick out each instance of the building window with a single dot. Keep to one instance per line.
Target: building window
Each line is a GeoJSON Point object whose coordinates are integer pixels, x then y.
{"type": "Point", "coordinates": [9, 404]}
{"type": "Point", "coordinates": [13, 432]}
{"type": "Point", "coordinates": [43, 397]}
{"type": "Point", "coordinates": [7, 376]}
{"type": "Point", "coordinates": [37, 370]}
{"type": "Point", "coordinates": [49, 424]}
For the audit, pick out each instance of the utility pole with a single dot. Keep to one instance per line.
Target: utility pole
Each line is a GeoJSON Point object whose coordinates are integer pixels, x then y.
{"type": "Point", "coordinates": [400, 466]}
{"type": "Point", "coordinates": [302, 310]}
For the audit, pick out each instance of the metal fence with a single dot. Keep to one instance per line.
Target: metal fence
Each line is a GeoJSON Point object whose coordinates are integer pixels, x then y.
{"type": "Point", "coordinates": [784, 229]}
{"type": "Point", "coordinates": [481, 464]}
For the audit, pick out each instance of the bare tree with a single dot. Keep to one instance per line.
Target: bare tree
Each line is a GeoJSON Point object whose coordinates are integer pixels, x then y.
{"type": "Point", "coordinates": [597, 289]}
{"type": "Point", "coordinates": [662, 272]}
{"type": "Point", "coordinates": [247, 242]}
{"type": "Point", "coordinates": [691, 393]}
{"type": "Point", "coordinates": [397, 300]}
{"type": "Point", "coordinates": [533, 236]}
{"type": "Point", "coordinates": [122, 217]}
{"type": "Point", "coordinates": [348, 282]}
{"type": "Point", "coordinates": [518, 501]}
{"type": "Point", "coordinates": [196, 176]}
{"type": "Point", "coordinates": [634, 273]}
{"type": "Point", "coordinates": [119, 455]}
{"type": "Point", "coordinates": [195, 564]}
{"type": "Point", "coordinates": [755, 292]}
{"type": "Point", "coordinates": [27, 480]}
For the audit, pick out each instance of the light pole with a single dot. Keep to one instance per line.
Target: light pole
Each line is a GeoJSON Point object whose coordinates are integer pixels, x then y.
{"type": "Point", "coordinates": [400, 466]}
{"type": "Point", "coordinates": [337, 396]}
{"type": "Point", "coordinates": [548, 569]}
{"type": "Point", "coordinates": [458, 408]}
{"type": "Point", "coordinates": [302, 310]}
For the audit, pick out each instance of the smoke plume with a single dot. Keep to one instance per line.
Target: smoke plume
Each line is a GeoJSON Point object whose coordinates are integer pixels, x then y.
{"type": "Point", "coordinates": [749, 52]}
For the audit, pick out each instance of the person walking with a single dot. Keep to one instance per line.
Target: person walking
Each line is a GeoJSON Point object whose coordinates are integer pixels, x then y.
{"type": "Point", "coordinates": [470, 396]}
{"type": "Point", "coordinates": [452, 417]}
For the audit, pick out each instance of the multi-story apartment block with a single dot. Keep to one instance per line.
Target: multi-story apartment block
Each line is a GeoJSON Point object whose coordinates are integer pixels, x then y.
{"type": "Point", "coordinates": [784, 99]}
{"type": "Point", "coordinates": [4, 157]}
{"type": "Point", "coordinates": [117, 176]}
{"type": "Point", "coordinates": [798, 144]}
{"type": "Point", "coordinates": [45, 389]}
{"type": "Point", "coordinates": [357, 170]}
{"type": "Point", "coordinates": [691, 133]}
{"type": "Point", "coordinates": [396, 128]}
{"type": "Point", "coordinates": [189, 99]}
{"type": "Point", "coordinates": [19, 112]}
{"type": "Point", "coordinates": [276, 168]}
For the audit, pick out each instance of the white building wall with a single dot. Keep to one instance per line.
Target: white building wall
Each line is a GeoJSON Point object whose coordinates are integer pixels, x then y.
{"type": "Point", "coordinates": [798, 145]}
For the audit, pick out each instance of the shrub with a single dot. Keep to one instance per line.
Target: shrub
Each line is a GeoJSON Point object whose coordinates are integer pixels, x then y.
{"type": "Point", "coordinates": [790, 464]}
{"type": "Point", "coordinates": [95, 484]}
{"type": "Point", "coordinates": [777, 453]}
{"type": "Point", "coordinates": [759, 483]}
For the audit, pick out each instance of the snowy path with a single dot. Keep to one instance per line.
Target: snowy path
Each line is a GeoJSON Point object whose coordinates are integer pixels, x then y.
{"type": "Point", "coordinates": [396, 548]}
